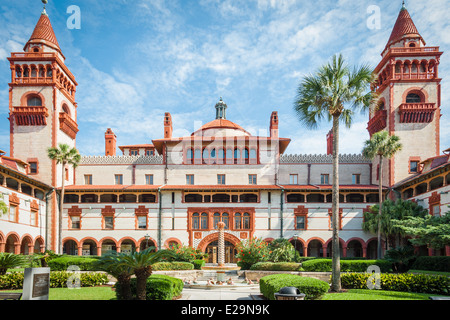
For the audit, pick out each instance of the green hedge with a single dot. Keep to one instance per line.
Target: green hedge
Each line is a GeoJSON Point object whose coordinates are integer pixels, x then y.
{"type": "Point", "coordinates": [325, 265]}
{"type": "Point", "coordinates": [58, 279]}
{"type": "Point", "coordinates": [175, 265]}
{"type": "Point", "coordinates": [198, 264]}
{"type": "Point", "coordinates": [159, 287]}
{"type": "Point", "coordinates": [312, 288]}
{"type": "Point", "coordinates": [432, 264]}
{"type": "Point", "coordinates": [405, 282]}
{"type": "Point", "coordinates": [276, 266]}
{"type": "Point", "coordinates": [62, 263]}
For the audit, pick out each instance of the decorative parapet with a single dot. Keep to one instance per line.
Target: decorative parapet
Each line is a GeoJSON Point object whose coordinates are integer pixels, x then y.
{"type": "Point", "coordinates": [323, 158]}
{"type": "Point", "coordinates": [157, 159]}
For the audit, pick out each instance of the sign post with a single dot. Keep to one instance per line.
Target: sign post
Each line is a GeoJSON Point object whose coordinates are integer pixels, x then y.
{"type": "Point", "coordinates": [36, 284]}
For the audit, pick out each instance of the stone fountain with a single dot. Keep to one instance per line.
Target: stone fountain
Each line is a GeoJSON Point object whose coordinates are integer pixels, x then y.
{"type": "Point", "coordinates": [220, 268]}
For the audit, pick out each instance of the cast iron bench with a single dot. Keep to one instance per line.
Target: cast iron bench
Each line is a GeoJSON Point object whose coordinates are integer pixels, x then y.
{"type": "Point", "coordinates": [10, 295]}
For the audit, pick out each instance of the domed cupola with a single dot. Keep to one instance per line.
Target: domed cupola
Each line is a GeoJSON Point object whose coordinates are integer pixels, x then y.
{"type": "Point", "coordinates": [221, 109]}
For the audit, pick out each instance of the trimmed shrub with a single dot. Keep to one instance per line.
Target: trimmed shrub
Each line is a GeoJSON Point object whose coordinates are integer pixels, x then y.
{"type": "Point", "coordinates": [58, 279]}
{"type": "Point", "coordinates": [159, 287]}
{"type": "Point", "coordinates": [276, 266]}
{"type": "Point", "coordinates": [198, 264]}
{"type": "Point", "coordinates": [432, 264]}
{"type": "Point", "coordinates": [325, 265]}
{"type": "Point", "coordinates": [312, 288]}
{"type": "Point", "coordinates": [62, 263]}
{"type": "Point", "coordinates": [175, 265]}
{"type": "Point", "coordinates": [405, 282]}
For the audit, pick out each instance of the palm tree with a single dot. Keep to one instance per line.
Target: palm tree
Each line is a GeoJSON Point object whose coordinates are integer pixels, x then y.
{"type": "Point", "coordinates": [113, 263]}
{"type": "Point", "coordinates": [383, 145]}
{"type": "Point", "coordinates": [64, 155]}
{"type": "Point", "coordinates": [141, 264]}
{"type": "Point", "coordinates": [10, 260]}
{"type": "Point", "coordinates": [334, 93]}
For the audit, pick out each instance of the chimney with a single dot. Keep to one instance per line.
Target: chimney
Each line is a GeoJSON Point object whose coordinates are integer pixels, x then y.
{"type": "Point", "coordinates": [330, 142]}
{"type": "Point", "coordinates": [167, 126]}
{"type": "Point", "coordinates": [274, 125]}
{"type": "Point", "coordinates": [110, 143]}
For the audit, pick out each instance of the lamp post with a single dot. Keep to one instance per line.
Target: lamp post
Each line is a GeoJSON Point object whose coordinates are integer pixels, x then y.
{"type": "Point", "coordinates": [295, 237]}
{"type": "Point", "coordinates": [146, 239]}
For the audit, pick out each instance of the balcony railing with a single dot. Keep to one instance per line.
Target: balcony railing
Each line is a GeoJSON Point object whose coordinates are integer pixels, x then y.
{"type": "Point", "coordinates": [30, 116]}
{"type": "Point", "coordinates": [378, 122]}
{"type": "Point", "coordinates": [67, 125]}
{"type": "Point", "coordinates": [417, 112]}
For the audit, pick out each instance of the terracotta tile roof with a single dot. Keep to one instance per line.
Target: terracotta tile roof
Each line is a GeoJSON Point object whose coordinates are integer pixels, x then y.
{"type": "Point", "coordinates": [110, 187]}
{"type": "Point", "coordinates": [330, 187]}
{"type": "Point", "coordinates": [219, 124]}
{"type": "Point", "coordinates": [219, 187]}
{"type": "Point", "coordinates": [44, 31]}
{"type": "Point", "coordinates": [403, 26]}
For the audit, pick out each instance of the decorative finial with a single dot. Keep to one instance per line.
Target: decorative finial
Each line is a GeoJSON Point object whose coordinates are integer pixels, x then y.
{"type": "Point", "coordinates": [403, 5]}
{"type": "Point", "coordinates": [44, 2]}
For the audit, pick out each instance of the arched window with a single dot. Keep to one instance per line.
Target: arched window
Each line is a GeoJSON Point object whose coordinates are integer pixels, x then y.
{"type": "Point", "coordinates": [65, 109]}
{"type": "Point", "coordinates": [197, 155]}
{"type": "Point", "coordinates": [246, 221]}
{"type": "Point", "coordinates": [34, 101]}
{"type": "Point", "coordinates": [253, 156]}
{"type": "Point", "coordinates": [246, 156]}
{"type": "Point", "coordinates": [221, 156]}
{"type": "Point", "coordinates": [216, 219]}
{"type": "Point", "coordinates": [195, 221]}
{"type": "Point", "coordinates": [204, 221]}
{"type": "Point", "coordinates": [237, 221]}
{"type": "Point", "coordinates": [190, 156]}
{"type": "Point", "coordinates": [413, 98]}
{"type": "Point", "coordinates": [212, 159]}
{"type": "Point", "coordinates": [225, 219]}
{"type": "Point", "coordinates": [205, 156]}
{"type": "Point", "coordinates": [33, 72]}
{"type": "Point", "coordinates": [18, 72]}
{"type": "Point", "coordinates": [237, 155]}
{"type": "Point", "coordinates": [26, 71]}
{"type": "Point", "coordinates": [229, 156]}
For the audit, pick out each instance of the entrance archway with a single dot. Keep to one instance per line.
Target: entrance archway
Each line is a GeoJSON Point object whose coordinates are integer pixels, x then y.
{"type": "Point", "coordinates": [213, 252]}
{"type": "Point", "coordinates": [211, 241]}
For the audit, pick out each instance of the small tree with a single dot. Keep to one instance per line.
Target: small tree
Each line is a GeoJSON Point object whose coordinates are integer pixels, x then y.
{"type": "Point", "coordinates": [391, 213]}
{"type": "Point", "coordinates": [141, 264]}
{"type": "Point", "coordinates": [427, 230]}
{"type": "Point", "coordinates": [113, 263]}
{"type": "Point", "coordinates": [251, 251]}
{"type": "Point", "coordinates": [282, 251]}
{"type": "Point", "coordinates": [63, 154]}
{"type": "Point", "coordinates": [384, 146]}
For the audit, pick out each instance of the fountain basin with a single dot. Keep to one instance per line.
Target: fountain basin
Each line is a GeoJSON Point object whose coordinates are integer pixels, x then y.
{"type": "Point", "coordinates": [205, 285]}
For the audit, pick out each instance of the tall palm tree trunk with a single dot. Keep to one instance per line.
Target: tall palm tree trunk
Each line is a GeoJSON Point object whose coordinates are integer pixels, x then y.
{"type": "Point", "coordinates": [336, 264]}
{"type": "Point", "coordinates": [60, 216]}
{"type": "Point", "coordinates": [380, 201]}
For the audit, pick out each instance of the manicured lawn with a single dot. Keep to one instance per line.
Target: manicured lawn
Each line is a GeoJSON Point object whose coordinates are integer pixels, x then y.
{"type": "Point", "coordinates": [365, 294]}
{"type": "Point", "coordinates": [85, 293]}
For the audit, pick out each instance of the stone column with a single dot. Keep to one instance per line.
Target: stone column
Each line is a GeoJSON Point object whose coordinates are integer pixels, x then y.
{"type": "Point", "coordinates": [221, 257]}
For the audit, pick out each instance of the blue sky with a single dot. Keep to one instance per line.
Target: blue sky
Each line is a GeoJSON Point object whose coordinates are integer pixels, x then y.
{"type": "Point", "coordinates": [136, 59]}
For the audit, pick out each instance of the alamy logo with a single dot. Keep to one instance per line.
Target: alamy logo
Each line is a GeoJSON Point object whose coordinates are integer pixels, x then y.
{"type": "Point", "coordinates": [74, 21]}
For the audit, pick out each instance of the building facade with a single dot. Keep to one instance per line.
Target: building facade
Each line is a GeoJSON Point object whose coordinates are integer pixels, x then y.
{"type": "Point", "coordinates": [176, 190]}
